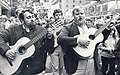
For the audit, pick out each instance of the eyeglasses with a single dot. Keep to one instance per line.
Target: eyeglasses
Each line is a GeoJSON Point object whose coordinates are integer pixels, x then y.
{"type": "Point", "coordinates": [57, 14]}
{"type": "Point", "coordinates": [88, 22]}
{"type": "Point", "coordinates": [108, 17]}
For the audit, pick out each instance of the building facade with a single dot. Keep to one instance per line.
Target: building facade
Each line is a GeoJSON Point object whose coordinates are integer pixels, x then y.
{"type": "Point", "coordinates": [4, 7]}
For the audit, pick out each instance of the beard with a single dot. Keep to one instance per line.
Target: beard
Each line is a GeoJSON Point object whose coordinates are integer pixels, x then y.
{"type": "Point", "coordinates": [80, 22]}
{"type": "Point", "coordinates": [31, 25]}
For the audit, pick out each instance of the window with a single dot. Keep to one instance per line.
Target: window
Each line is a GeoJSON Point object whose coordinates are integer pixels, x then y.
{"type": "Point", "coordinates": [13, 0]}
{"type": "Point", "coordinates": [105, 7]}
{"type": "Point", "coordinates": [73, 1]}
{"type": "Point", "coordinates": [60, 6]}
{"type": "Point", "coordinates": [27, 0]}
{"type": "Point", "coordinates": [73, 5]}
{"type": "Point", "coordinates": [60, 0]}
{"type": "Point", "coordinates": [66, 5]}
{"type": "Point", "coordinates": [80, 1]}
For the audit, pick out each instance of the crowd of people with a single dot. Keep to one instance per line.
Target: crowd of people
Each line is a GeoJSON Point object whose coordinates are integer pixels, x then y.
{"type": "Point", "coordinates": [78, 45]}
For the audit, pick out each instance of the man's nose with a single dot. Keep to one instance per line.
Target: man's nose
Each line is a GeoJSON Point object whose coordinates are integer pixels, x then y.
{"type": "Point", "coordinates": [80, 15]}
{"type": "Point", "coordinates": [32, 20]}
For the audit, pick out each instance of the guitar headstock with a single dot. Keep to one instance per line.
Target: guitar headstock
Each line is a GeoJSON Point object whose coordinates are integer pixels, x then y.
{"type": "Point", "coordinates": [116, 16]}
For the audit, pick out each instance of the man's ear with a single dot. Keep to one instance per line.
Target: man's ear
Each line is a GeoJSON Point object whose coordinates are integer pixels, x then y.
{"type": "Point", "coordinates": [22, 21]}
{"type": "Point", "coordinates": [21, 17]}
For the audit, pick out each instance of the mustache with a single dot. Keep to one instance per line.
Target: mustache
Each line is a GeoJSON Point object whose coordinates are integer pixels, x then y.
{"type": "Point", "coordinates": [32, 24]}
{"type": "Point", "coordinates": [80, 18]}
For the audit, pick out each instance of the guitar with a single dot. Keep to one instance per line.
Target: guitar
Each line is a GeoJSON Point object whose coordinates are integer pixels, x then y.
{"type": "Point", "coordinates": [86, 52]}
{"type": "Point", "coordinates": [94, 36]}
{"type": "Point", "coordinates": [24, 48]}
{"type": "Point", "coordinates": [57, 26]}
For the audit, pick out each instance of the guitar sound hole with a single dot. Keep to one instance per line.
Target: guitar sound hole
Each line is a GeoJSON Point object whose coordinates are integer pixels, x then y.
{"type": "Point", "coordinates": [21, 50]}
{"type": "Point", "coordinates": [92, 37]}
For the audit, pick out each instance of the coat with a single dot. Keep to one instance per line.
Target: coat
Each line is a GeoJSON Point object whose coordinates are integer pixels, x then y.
{"type": "Point", "coordinates": [67, 42]}
{"type": "Point", "coordinates": [35, 63]}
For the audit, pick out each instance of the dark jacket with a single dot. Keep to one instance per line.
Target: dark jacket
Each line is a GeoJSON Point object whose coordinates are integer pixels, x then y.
{"type": "Point", "coordinates": [66, 40]}
{"type": "Point", "coordinates": [36, 62]}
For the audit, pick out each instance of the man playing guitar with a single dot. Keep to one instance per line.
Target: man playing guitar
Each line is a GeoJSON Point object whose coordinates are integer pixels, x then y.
{"type": "Point", "coordinates": [75, 63]}
{"type": "Point", "coordinates": [33, 64]}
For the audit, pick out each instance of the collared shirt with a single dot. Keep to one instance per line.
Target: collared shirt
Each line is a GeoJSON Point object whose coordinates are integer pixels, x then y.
{"type": "Point", "coordinates": [27, 29]}
{"type": "Point", "coordinates": [82, 30]}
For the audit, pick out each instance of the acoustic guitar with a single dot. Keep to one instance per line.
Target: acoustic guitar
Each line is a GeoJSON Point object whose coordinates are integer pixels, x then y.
{"type": "Point", "coordinates": [86, 52]}
{"type": "Point", "coordinates": [94, 36]}
{"type": "Point", "coordinates": [24, 48]}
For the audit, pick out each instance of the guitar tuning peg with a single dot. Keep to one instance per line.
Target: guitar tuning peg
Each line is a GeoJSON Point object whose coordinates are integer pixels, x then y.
{"type": "Point", "coordinates": [116, 16]}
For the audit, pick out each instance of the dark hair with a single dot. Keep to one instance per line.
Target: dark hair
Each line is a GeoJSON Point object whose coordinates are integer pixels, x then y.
{"type": "Point", "coordinates": [118, 18]}
{"type": "Point", "coordinates": [51, 18]}
{"type": "Point", "coordinates": [76, 9]}
{"type": "Point", "coordinates": [21, 15]}
{"type": "Point", "coordinates": [16, 13]}
{"type": "Point", "coordinates": [88, 20]}
{"type": "Point", "coordinates": [57, 11]}
{"type": "Point", "coordinates": [108, 17]}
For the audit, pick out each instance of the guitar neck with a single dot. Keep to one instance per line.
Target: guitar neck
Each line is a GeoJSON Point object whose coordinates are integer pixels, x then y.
{"type": "Point", "coordinates": [102, 28]}
{"type": "Point", "coordinates": [35, 39]}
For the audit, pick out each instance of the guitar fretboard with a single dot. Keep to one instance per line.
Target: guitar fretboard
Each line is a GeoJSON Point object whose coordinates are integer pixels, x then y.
{"type": "Point", "coordinates": [35, 39]}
